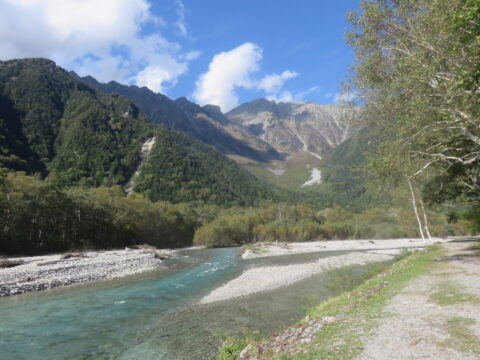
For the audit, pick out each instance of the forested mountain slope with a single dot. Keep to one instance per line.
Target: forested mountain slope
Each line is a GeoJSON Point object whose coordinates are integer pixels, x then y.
{"type": "Point", "coordinates": [207, 123]}
{"type": "Point", "coordinates": [181, 168]}
{"type": "Point", "coordinates": [54, 124]}
{"type": "Point", "coordinates": [343, 179]}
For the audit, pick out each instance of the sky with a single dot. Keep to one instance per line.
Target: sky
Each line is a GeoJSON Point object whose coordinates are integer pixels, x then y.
{"type": "Point", "coordinates": [222, 52]}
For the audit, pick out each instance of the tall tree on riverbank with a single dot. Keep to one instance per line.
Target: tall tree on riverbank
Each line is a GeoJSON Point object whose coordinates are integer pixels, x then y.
{"type": "Point", "coordinates": [417, 72]}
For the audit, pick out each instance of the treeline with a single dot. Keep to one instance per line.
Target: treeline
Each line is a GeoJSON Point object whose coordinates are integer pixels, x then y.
{"type": "Point", "coordinates": [37, 217]}
{"type": "Point", "coordinates": [40, 217]}
{"type": "Point", "coordinates": [282, 222]}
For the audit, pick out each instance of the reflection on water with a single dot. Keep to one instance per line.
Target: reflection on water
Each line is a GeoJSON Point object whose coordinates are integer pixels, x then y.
{"type": "Point", "coordinates": [151, 316]}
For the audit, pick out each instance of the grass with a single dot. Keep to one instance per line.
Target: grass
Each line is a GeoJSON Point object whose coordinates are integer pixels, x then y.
{"type": "Point", "coordinates": [449, 293]}
{"type": "Point", "coordinates": [462, 338]}
{"type": "Point", "coordinates": [346, 278]}
{"type": "Point", "coordinates": [233, 346]}
{"type": "Point", "coordinates": [359, 311]}
{"type": "Point", "coordinates": [296, 171]}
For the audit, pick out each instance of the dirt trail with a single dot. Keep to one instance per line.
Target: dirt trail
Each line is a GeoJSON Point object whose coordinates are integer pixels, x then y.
{"type": "Point", "coordinates": [436, 316]}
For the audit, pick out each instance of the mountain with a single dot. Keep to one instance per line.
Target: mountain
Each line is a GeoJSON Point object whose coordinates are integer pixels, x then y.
{"type": "Point", "coordinates": [207, 123]}
{"type": "Point", "coordinates": [304, 132]}
{"type": "Point", "coordinates": [180, 168]}
{"type": "Point", "coordinates": [281, 143]}
{"type": "Point", "coordinates": [295, 126]}
{"type": "Point", "coordinates": [54, 124]}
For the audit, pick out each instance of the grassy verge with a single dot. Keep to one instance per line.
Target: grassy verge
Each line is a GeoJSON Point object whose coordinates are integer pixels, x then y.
{"type": "Point", "coordinates": [356, 313]}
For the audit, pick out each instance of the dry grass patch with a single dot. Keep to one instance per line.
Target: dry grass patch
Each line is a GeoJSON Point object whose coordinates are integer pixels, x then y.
{"type": "Point", "coordinates": [449, 293]}
{"type": "Point", "coordinates": [462, 338]}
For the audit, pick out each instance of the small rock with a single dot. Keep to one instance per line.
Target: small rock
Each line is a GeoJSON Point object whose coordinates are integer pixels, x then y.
{"type": "Point", "coordinates": [245, 351]}
{"type": "Point", "coordinates": [328, 319]}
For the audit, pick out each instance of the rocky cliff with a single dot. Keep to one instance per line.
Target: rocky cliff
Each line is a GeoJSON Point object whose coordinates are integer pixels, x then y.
{"type": "Point", "coordinates": [295, 126]}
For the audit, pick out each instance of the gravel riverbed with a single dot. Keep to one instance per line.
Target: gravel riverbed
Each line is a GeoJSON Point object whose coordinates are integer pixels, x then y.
{"type": "Point", "coordinates": [280, 248]}
{"type": "Point", "coordinates": [266, 278]}
{"type": "Point", "coordinates": [36, 273]}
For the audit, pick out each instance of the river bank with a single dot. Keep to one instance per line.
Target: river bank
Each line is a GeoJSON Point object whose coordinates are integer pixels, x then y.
{"type": "Point", "coordinates": [266, 278]}
{"type": "Point", "coordinates": [280, 249]}
{"type": "Point", "coordinates": [425, 306]}
{"type": "Point", "coordinates": [33, 273]}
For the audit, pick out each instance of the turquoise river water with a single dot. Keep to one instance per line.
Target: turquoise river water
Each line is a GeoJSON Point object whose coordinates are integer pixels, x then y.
{"type": "Point", "coordinates": [152, 316]}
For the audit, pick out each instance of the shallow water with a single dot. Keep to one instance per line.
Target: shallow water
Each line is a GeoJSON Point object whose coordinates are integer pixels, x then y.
{"type": "Point", "coordinates": [151, 316]}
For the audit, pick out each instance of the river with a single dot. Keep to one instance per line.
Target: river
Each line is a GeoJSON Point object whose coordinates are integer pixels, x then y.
{"type": "Point", "coordinates": [152, 316]}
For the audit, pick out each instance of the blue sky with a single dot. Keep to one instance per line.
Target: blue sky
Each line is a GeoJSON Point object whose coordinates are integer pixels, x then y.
{"type": "Point", "coordinates": [212, 51]}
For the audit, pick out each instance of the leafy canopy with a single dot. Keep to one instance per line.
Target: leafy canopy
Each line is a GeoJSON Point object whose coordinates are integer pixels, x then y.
{"type": "Point", "coordinates": [417, 73]}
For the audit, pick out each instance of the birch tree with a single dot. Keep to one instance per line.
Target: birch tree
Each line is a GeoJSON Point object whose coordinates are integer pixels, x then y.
{"type": "Point", "coordinates": [417, 73]}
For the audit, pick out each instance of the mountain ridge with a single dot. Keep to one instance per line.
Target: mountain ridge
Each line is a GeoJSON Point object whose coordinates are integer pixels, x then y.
{"type": "Point", "coordinates": [56, 125]}
{"type": "Point", "coordinates": [296, 126]}
{"type": "Point", "coordinates": [207, 124]}
{"type": "Point", "coordinates": [298, 134]}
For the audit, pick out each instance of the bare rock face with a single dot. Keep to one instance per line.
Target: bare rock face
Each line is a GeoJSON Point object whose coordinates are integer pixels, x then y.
{"type": "Point", "coordinates": [214, 128]}
{"type": "Point", "coordinates": [296, 126]}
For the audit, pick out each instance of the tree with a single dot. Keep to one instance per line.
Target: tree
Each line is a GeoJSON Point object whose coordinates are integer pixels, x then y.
{"type": "Point", "coordinates": [417, 73]}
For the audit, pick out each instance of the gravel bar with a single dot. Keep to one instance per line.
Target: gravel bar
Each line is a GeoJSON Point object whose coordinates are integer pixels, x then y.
{"type": "Point", "coordinates": [281, 248]}
{"type": "Point", "coordinates": [44, 272]}
{"type": "Point", "coordinates": [266, 278]}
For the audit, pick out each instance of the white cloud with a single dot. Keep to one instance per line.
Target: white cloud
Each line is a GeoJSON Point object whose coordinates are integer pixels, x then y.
{"type": "Point", "coordinates": [329, 96]}
{"type": "Point", "coordinates": [102, 38]}
{"type": "Point", "coordinates": [274, 82]}
{"type": "Point", "coordinates": [165, 69]}
{"type": "Point", "coordinates": [192, 55]}
{"type": "Point", "coordinates": [226, 71]}
{"type": "Point", "coordinates": [103, 69]}
{"type": "Point", "coordinates": [181, 24]}
{"type": "Point", "coordinates": [235, 69]}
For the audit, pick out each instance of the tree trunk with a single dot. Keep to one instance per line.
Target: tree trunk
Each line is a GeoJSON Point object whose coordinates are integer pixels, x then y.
{"type": "Point", "coordinates": [425, 218]}
{"type": "Point", "coordinates": [412, 193]}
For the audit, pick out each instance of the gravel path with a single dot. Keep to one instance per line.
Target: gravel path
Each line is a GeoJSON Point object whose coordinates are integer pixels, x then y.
{"type": "Point", "coordinates": [420, 326]}
{"type": "Point", "coordinates": [266, 278]}
{"type": "Point", "coordinates": [43, 272]}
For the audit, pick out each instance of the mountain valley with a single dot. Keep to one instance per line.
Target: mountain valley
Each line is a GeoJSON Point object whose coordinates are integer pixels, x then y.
{"type": "Point", "coordinates": [280, 143]}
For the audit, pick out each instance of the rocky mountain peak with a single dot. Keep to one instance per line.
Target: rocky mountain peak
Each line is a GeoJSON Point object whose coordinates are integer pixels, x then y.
{"type": "Point", "coordinates": [296, 126]}
{"type": "Point", "coordinates": [254, 107]}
